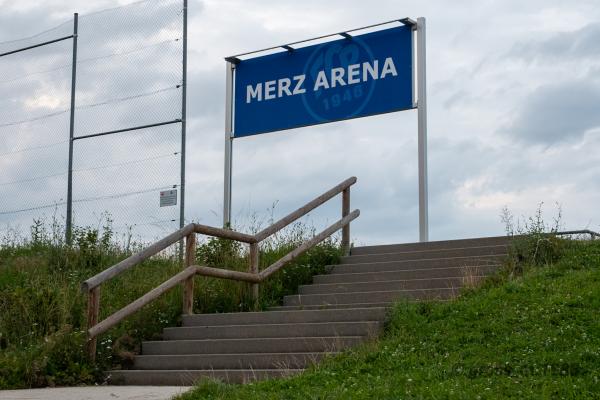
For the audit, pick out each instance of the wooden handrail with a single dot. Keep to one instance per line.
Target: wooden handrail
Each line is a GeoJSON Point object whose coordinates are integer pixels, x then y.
{"type": "Point", "coordinates": [159, 246]}
{"type": "Point", "coordinates": [276, 266]}
{"type": "Point", "coordinates": [308, 244]}
{"type": "Point", "coordinates": [137, 258]}
{"type": "Point", "coordinates": [190, 271]}
{"type": "Point", "coordinates": [305, 209]}
{"type": "Point", "coordinates": [126, 311]}
{"type": "Point", "coordinates": [228, 274]}
{"type": "Point", "coordinates": [185, 277]}
{"type": "Point", "coordinates": [224, 233]}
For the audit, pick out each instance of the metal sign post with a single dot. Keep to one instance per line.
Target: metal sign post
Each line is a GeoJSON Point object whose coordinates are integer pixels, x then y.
{"type": "Point", "coordinates": [359, 75]}
{"type": "Point", "coordinates": [229, 71]}
{"type": "Point", "coordinates": [422, 141]}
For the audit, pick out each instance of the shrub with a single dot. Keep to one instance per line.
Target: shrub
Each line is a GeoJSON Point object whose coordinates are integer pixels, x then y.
{"type": "Point", "coordinates": [534, 241]}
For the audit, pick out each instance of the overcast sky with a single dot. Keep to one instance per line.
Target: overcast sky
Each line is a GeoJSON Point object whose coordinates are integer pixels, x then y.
{"type": "Point", "coordinates": [514, 115]}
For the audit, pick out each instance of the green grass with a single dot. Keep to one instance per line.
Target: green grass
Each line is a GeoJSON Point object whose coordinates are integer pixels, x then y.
{"type": "Point", "coordinates": [531, 332]}
{"type": "Point", "coordinates": [42, 310]}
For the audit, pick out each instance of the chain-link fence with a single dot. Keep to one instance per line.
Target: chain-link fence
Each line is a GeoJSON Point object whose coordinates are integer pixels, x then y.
{"type": "Point", "coordinates": [127, 131]}
{"type": "Point", "coordinates": [35, 87]}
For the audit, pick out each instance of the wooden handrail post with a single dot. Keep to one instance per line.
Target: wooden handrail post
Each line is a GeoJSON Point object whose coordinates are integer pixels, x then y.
{"type": "Point", "coordinates": [254, 260]}
{"type": "Point", "coordinates": [305, 209]}
{"type": "Point", "coordinates": [188, 284]}
{"type": "Point", "coordinates": [345, 212]}
{"type": "Point", "coordinates": [93, 310]}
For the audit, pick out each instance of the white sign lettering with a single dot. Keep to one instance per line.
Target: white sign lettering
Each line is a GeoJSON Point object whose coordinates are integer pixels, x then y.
{"type": "Point", "coordinates": [340, 76]}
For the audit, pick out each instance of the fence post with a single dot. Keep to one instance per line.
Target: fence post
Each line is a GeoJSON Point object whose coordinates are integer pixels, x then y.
{"type": "Point", "coordinates": [69, 221]}
{"type": "Point", "coordinates": [345, 212]}
{"type": "Point", "coordinates": [254, 260]}
{"type": "Point", "coordinates": [93, 309]}
{"type": "Point", "coordinates": [183, 124]}
{"type": "Point", "coordinates": [188, 284]}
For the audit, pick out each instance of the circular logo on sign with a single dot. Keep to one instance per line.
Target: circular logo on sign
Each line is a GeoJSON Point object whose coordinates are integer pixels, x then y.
{"type": "Point", "coordinates": [338, 86]}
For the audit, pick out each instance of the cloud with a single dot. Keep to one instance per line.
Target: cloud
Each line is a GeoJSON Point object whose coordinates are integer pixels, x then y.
{"type": "Point", "coordinates": [557, 113]}
{"type": "Point", "coordinates": [546, 150]}
{"type": "Point", "coordinates": [581, 44]}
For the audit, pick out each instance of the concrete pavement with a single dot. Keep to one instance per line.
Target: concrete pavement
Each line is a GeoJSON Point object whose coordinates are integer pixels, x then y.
{"type": "Point", "coordinates": [96, 393]}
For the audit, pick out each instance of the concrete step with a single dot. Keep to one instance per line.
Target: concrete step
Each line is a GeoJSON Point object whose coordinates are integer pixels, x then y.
{"type": "Point", "coordinates": [365, 297]}
{"type": "Point", "coordinates": [233, 346]}
{"type": "Point", "coordinates": [385, 305]}
{"type": "Point", "coordinates": [230, 361]}
{"type": "Point", "coordinates": [443, 244]}
{"type": "Point", "coordinates": [429, 283]}
{"type": "Point", "coordinates": [266, 331]}
{"type": "Point", "coordinates": [337, 311]}
{"type": "Point", "coordinates": [280, 317]}
{"type": "Point", "coordinates": [466, 262]}
{"type": "Point", "coordinates": [426, 254]}
{"type": "Point", "coordinates": [407, 274]}
{"type": "Point", "coordinates": [189, 377]}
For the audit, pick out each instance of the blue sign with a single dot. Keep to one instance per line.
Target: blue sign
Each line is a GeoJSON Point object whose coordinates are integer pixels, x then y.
{"type": "Point", "coordinates": [348, 78]}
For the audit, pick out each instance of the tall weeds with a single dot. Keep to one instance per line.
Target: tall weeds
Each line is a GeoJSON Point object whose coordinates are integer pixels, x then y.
{"type": "Point", "coordinates": [534, 241]}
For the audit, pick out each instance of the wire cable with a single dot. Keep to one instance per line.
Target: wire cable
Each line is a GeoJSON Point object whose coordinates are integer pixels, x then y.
{"type": "Point", "coordinates": [89, 199]}
{"type": "Point", "coordinates": [62, 203]}
{"type": "Point", "coordinates": [125, 163]}
{"type": "Point", "coordinates": [121, 195]}
{"type": "Point", "coordinates": [37, 178]}
{"type": "Point", "coordinates": [153, 223]}
{"type": "Point", "coordinates": [89, 59]}
{"type": "Point", "coordinates": [91, 105]}
{"type": "Point", "coordinates": [122, 99]}
{"type": "Point", "coordinates": [69, 22]}
{"type": "Point", "coordinates": [116, 8]}
{"type": "Point", "coordinates": [25, 149]}
{"type": "Point", "coordinates": [89, 169]}
{"type": "Point", "coordinates": [26, 121]}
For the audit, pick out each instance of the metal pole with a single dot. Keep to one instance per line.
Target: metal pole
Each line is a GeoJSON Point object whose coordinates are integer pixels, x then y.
{"type": "Point", "coordinates": [35, 46]}
{"type": "Point", "coordinates": [422, 141]}
{"type": "Point", "coordinates": [69, 223]}
{"type": "Point", "coordinates": [228, 143]}
{"type": "Point", "coordinates": [183, 124]}
{"type": "Point", "coordinates": [133, 128]}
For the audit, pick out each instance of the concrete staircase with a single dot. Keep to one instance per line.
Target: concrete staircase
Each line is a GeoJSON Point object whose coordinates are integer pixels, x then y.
{"type": "Point", "coordinates": [337, 311]}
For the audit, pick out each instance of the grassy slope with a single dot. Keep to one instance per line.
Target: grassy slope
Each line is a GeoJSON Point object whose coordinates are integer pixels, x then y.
{"type": "Point", "coordinates": [42, 310]}
{"type": "Point", "coordinates": [533, 336]}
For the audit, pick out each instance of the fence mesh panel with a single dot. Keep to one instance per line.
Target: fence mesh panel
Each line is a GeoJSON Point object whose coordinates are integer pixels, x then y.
{"type": "Point", "coordinates": [129, 74]}
{"type": "Point", "coordinates": [35, 87]}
